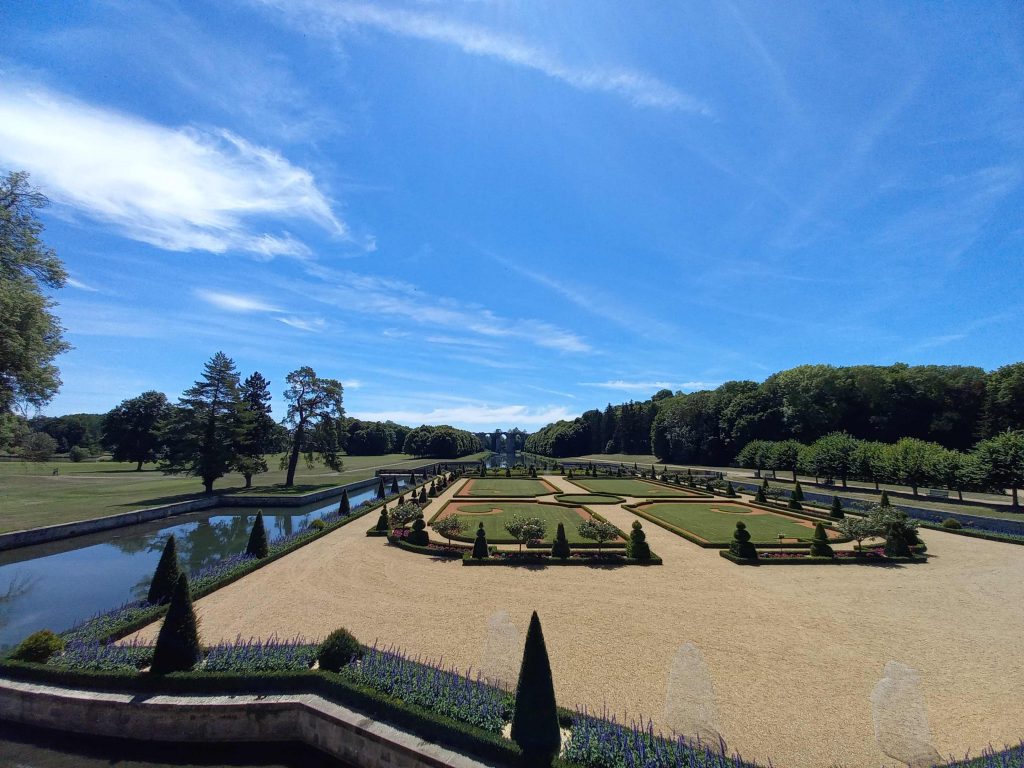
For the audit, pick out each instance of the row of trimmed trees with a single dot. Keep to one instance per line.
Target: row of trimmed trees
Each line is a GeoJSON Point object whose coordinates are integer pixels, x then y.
{"type": "Point", "coordinates": [994, 464]}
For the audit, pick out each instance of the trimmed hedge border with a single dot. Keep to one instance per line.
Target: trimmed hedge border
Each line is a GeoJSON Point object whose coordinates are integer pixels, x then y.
{"type": "Point", "coordinates": [403, 544]}
{"type": "Point", "coordinates": [826, 560]}
{"type": "Point", "coordinates": [611, 498]}
{"type": "Point", "coordinates": [546, 560]}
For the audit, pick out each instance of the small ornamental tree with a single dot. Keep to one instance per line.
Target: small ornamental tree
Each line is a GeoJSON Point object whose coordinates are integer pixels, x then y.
{"type": "Point", "coordinates": [819, 543]}
{"type": "Point", "coordinates": [798, 492]}
{"type": "Point", "coordinates": [858, 529]}
{"type": "Point", "coordinates": [423, 495]}
{"type": "Point", "coordinates": [569, 474]}
{"type": "Point", "coordinates": [432, 493]}
{"type": "Point", "coordinates": [401, 499]}
{"type": "Point", "coordinates": [508, 472]}
{"type": "Point", "coordinates": [794, 503]}
{"type": "Point", "coordinates": [258, 545]}
{"type": "Point", "coordinates": [526, 529]}
{"type": "Point", "coordinates": [637, 546]}
{"type": "Point", "coordinates": [740, 545]}
{"type": "Point", "coordinates": [599, 531]}
{"type": "Point", "coordinates": [730, 491]}
{"type": "Point", "coordinates": [382, 521]}
{"type": "Point", "coordinates": [759, 497]}
{"type": "Point", "coordinates": [161, 588]}
{"type": "Point", "coordinates": [381, 493]}
{"type": "Point", "coordinates": [418, 534]}
{"type": "Point", "coordinates": [177, 644]}
{"type": "Point", "coordinates": [535, 718]}
{"type": "Point", "coordinates": [452, 525]}
{"type": "Point", "coordinates": [561, 546]}
{"type": "Point", "coordinates": [884, 501]}
{"type": "Point", "coordinates": [480, 550]}
{"type": "Point", "coordinates": [344, 507]}
{"type": "Point", "coordinates": [394, 486]}
{"type": "Point", "coordinates": [837, 508]}
{"type": "Point", "coordinates": [403, 514]}
{"type": "Point", "coordinates": [899, 530]}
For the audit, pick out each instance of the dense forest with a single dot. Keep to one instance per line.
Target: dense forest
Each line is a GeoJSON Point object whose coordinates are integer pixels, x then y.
{"type": "Point", "coordinates": [954, 406]}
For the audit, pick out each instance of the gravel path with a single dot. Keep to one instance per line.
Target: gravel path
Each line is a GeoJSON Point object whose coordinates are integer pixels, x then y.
{"type": "Point", "coordinates": [794, 652]}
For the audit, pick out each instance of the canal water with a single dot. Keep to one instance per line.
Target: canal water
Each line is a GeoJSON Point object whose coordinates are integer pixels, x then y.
{"type": "Point", "coordinates": [55, 586]}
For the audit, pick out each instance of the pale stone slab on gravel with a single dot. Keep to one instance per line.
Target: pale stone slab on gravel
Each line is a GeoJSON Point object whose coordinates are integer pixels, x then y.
{"type": "Point", "coordinates": [793, 652]}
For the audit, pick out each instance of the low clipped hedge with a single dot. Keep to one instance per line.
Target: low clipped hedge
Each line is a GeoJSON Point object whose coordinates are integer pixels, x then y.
{"type": "Point", "coordinates": [822, 560]}
{"type": "Point", "coordinates": [530, 558]}
{"type": "Point", "coordinates": [435, 551]}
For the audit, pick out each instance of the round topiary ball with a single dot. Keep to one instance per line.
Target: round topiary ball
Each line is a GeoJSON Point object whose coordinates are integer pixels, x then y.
{"type": "Point", "coordinates": [38, 647]}
{"type": "Point", "coordinates": [418, 535]}
{"type": "Point", "coordinates": [339, 649]}
{"type": "Point", "coordinates": [952, 524]}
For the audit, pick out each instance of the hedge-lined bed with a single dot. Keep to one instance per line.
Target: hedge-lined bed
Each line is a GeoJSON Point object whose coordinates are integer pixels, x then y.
{"type": "Point", "coordinates": [588, 498]}
{"type": "Point", "coordinates": [553, 513]}
{"type": "Point", "coordinates": [803, 557]}
{"type": "Point", "coordinates": [591, 558]}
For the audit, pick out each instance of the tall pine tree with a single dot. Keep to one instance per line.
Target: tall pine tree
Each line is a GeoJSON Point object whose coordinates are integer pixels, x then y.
{"type": "Point", "coordinates": [257, 427]}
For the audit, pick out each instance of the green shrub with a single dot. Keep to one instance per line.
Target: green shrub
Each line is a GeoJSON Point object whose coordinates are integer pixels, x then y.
{"type": "Point", "coordinates": [177, 644]}
{"type": "Point", "coordinates": [798, 492]}
{"type": "Point", "coordinates": [394, 486]}
{"type": "Point", "coordinates": [166, 575]}
{"type": "Point", "coordinates": [78, 453]}
{"type": "Point", "coordinates": [38, 647]}
{"type": "Point", "coordinates": [637, 546]}
{"type": "Point", "coordinates": [535, 718]}
{"type": "Point", "coordinates": [344, 507]}
{"type": "Point", "coordinates": [819, 543]}
{"type": "Point", "coordinates": [382, 521]}
{"type": "Point", "coordinates": [760, 498]}
{"type": "Point", "coordinates": [794, 504]}
{"type": "Point", "coordinates": [561, 546]}
{"type": "Point", "coordinates": [423, 495]}
{"type": "Point", "coordinates": [480, 550]}
{"type": "Point", "coordinates": [740, 545]}
{"type": "Point", "coordinates": [258, 545]}
{"type": "Point", "coordinates": [952, 524]}
{"type": "Point", "coordinates": [837, 508]}
{"type": "Point", "coordinates": [730, 491]}
{"type": "Point", "coordinates": [338, 650]}
{"type": "Point", "coordinates": [418, 535]}
{"type": "Point", "coordinates": [381, 492]}
{"type": "Point", "coordinates": [884, 501]}
{"type": "Point", "coordinates": [317, 525]}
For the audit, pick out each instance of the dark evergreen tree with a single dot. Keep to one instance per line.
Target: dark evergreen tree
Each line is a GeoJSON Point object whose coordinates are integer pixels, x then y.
{"type": "Point", "coordinates": [884, 501]}
{"type": "Point", "coordinates": [798, 492]}
{"type": "Point", "coordinates": [741, 545]}
{"type": "Point", "coordinates": [258, 545]}
{"type": "Point", "coordinates": [345, 506]}
{"type": "Point", "coordinates": [258, 429]}
{"type": "Point", "coordinates": [819, 543]}
{"type": "Point", "coordinates": [161, 588]}
{"type": "Point", "coordinates": [560, 548]}
{"type": "Point", "coordinates": [637, 546]}
{"type": "Point", "coordinates": [480, 550]}
{"type": "Point", "coordinates": [535, 718]}
{"type": "Point", "coordinates": [394, 486]}
{"type": "Point", "coordinates": [837, 508]}
{"type": "Point", "coordinates": [382, 521]}
{"type": "Point", "coordinates": [423, 494]}
{"type": "Point", "coordinates": [730, 491]}
{"type": "Point", "coordinates": [381, 492]}
{"type": "Point", "coordinates": [760, 498]}
{"type": "Point", "coordinates": [177, 644]}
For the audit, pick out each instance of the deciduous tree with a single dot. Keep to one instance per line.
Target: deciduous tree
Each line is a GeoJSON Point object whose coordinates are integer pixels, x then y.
{"type": "Point", "coordinates": [314, 407]}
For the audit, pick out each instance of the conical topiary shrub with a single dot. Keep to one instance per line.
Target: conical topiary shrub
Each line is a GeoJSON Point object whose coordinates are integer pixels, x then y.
{"type": "Point", "coordinates": [394, 486]}
{"type": "Point", "coordinates": [637, 546]}
{"type": "Point", "coordinates": [177, 644]}
{"type": "Point", "coordinates": [418, 535]}
{"type": "Point", "coordinates": [258, 545]}
{"type": "Point", "coordinates": [837, 508]}
{"type": "Point", "coordinates": [480, 550]}
{"type": "Point", "coordinates": [166, 574]}
{"type": "Point", "coordinates": [819, 543]}
{"type": "Point", "coordinates": [740, 545]}
{"type": "Point", "coordinates": [561, 546]}
{"type": "Point", "coordinates": [344, 507]}
{"type": "Point", "coordinates": [798, 492]}
{"type": "Point", "coordinates": [382, 521]}
{"type": "Point", "coordinates": [423, 495]}
{"type": "Point", "coordinates": [884, 501]}
{"type": "Point", "coordinates": [759, 497]}
{"type": "Point", "coordinates": [730, 491]}
{"type": "Point", "coordinates": [381, 493]}
{"type": "Point", "coordinates": [535, 718]}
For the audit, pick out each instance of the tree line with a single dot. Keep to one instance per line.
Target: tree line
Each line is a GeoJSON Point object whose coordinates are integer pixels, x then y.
{"type": "Point", "coordinates": [953, 406]}
{"type": "Point", "coordinates": [993, 464]}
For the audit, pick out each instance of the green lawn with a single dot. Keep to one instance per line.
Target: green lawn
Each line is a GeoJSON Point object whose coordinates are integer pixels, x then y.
{"type": "Point", "coordinates": [494, 524]}
{"type": "Point", "coordinates": [628, 486]}
{"type": "Point", "coordinates": [716, 521]}
{"type": "Point", "coordinates": [588, 498]}
{"type": "Point", "coordinates": [504, 487]}
{"type": "Point", "coordinates": [31, 495]}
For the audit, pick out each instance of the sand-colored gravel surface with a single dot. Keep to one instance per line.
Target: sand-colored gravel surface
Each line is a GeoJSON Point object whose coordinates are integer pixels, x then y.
{"type": "Point", "coordinates": [794, 652]}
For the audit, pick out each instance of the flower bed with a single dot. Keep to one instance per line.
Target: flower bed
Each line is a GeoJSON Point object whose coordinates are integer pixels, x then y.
{"type": "Point", "coordinates": [399, 535]}
{"type": "Point", "coordinates": [873, 556]}
{"type": "Point", "coordinates": [576, 558]}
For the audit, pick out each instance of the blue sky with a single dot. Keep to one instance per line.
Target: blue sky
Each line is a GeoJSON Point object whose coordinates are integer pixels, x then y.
{"type": "Point", "coordinates": [497, 214]}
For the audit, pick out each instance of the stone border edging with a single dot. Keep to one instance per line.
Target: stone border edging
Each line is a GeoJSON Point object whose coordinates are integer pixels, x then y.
{"type": "Point", "coordinates": [331, 728]}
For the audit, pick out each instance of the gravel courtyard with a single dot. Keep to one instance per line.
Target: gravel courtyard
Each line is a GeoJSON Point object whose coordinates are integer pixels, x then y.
{"type": "Point", "coordinates": [794, 652]}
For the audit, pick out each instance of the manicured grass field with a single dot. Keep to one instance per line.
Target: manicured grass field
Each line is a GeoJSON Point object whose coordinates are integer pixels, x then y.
{"type": "Point", "coordinates": [588, 498]}
{"type": "Point", "coordinates": [494, 522]}
{"type": "Point", "coordinates": [715, 521]}
{"type": "Point", "coordinates": [501, 487]}
{"type": "Point", "coordinates": [31, 495]}
{"type": "Point", "coordinates": [628, 486]}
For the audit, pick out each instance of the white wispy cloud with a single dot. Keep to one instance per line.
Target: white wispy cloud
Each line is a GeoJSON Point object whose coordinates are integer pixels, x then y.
{"type": "Point", "coordinates": [233, 302]}
{"type": "Point", "coordinates": [648, 386]}
{"type": "Point", "coordinates": [637, 87]}
{"type": "Point", "coordinates": [179, 189]}
{"type": "Point", "coordinates": [473, 416]}
{"type": "Point", "coordinates": [315, 324]}
{"type": "Point", "coordinates": [80, 285]}
{"type": "Point", "coordinates": [395, 298]}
